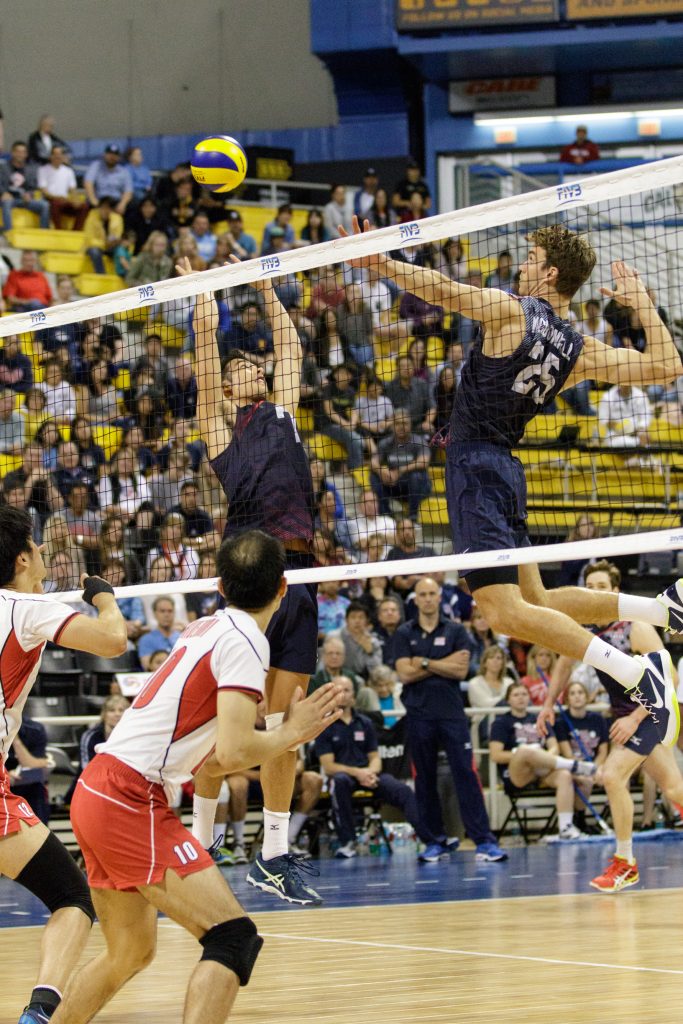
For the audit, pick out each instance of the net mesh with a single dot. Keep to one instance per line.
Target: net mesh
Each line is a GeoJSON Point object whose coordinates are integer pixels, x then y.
{"type": "Point", "coordinates": [127, 399]}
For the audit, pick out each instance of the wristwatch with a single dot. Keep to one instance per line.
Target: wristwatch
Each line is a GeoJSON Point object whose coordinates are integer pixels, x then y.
{"type": "Point", "coordinates": [424, 663]}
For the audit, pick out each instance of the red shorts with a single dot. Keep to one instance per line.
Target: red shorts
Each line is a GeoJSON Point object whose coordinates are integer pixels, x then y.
{"type": "Point", "coordinates": [128, 834]}
{"type": "Point", "coordinates": [13, 809]}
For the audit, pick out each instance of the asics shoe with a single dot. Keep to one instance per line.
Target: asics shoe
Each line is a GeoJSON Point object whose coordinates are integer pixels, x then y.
{"type": "Point", "coordinates": [490, 852]}
{"type": "Point", "coordinates": [571, 832]}
{"type": "Point", "coordinates": [31, 1015]}
{"type": "Point", "coordinates": [655, 691]}
{"type": "Point", "coordinates": [672, 599]}
{"type": "Point", "coordinates": [281, 876]}
{"type": "Point", "coordinates": [619, 874]}
{"type": "Point", "coordinates": [432, 853]}
{"type": "Point", "coordinates": [238, 854]}
{"type": "Point", "coordinates": [220, 855]}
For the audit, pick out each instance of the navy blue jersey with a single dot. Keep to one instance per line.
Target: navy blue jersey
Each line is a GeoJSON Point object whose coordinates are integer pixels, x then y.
{"type": "Point", "coordinates": [513, 731]}
{"type": "Point", "coordinates": [265, 474]}
{"type": "Point", "coordinates": [498, 396]}
{"type": "Point", "coordinates": [617, 634]}
{"type": "Point", "coordinates": [592, 730]}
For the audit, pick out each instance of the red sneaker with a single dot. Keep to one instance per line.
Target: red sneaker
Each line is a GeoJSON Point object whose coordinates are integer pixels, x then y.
{"type": "Point", "coordinates": [619, 874]}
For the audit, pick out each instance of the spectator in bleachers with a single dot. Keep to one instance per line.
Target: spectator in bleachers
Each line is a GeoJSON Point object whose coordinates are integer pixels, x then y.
{"type": "Point", "coordinates": [155, 358]}
{"type": "Point", "coordinates": [16, 371]}
{"type": "Point", "coordinates": [444, 396]}
{"type": "Point", "coordinates": [113, 570]}
{"type": "Point", "coordinates": [399, 469]}
{"type": "Point", "coordinates": [183, 436]}
{"type": "Point", "coordinates": [335, 212]}
{"type": "Point", "coordinates": [165, 486]}
{"type": "Point", "coordinates": [57, 182]}
{"type": "Point", "coordinates": [28, 766]}
{"type": "Point", "coordinates": [504, 275]}
{"type": "Point", "coordinates": [142, 532]}
{"type": "Point", "coordinates": [18, 184]}
{"type": "Point", "coordinates": [152, 263]}
{"type": "Point", "coordinates": [361, 644]}
{"type": "Point", "coordinates": [595, 323]}
{"type": "Point", "coordinates": [487, 689]}
{"type": "Point", "coordinates": [415, 210]}
{"type": "Point", "coordinates": [380, 213]}
{"type": "Point", "coordinates": [181, 209]}
{"type": "Point", "coordinates": [412, 182]}
{"type": "Point", "coordinates": [34, 478]}
{"type": "Point", "coordinates": [327, 517]}
{"type": "Point", "coordinates": [624, 414]}
{"type": "Point", "coordinates": [406, 546]}
{"type": "Point", "coordinates": [107, 178]}
{"type": "Point", "coordinates": [581, 150]}
{"type": "Point", "coordinates": [110, 715]}
{"type": "Point", "coordinates": [451, 260]}
{"type": "Point", "coordinates": [63, 574]}
{"type": "Point", "coordinates": [389, 618]}
{"type": "Point", "coordinates": [381, 695]}
{"type": "Point", "coordinates": [204, 602]}
{"type": "Point", "coordinates": [203, 236]}
{"type": "Point", "coordinates": [143, 218]}
{"type": "Point", "coordinates": [325, 548]}
{"type": "Point", "coordinates": [12, 429]}
{"type": "Point", "coordinates": [481, 636]}
{"type": "Point", "coordinates": [124, 490]}
{"type": "Point", "coordinates": [69, 471]}
{"type": "Point", "coordinates": [84, 522]}
{"type": "Point", "coordinates": [368, 522]}
{"type": "Point", "coordinates": [122, 254]}
{"type": "Point", "coordinates": [48, 437]}
{"type": "Point", "coordinates": [15, 494]}
{"type": "Point", "coordinates": [339, 419]}
{"type": "Point", "coordinates": [326, 293]}
{"type": "Point", "coordinates": [375, 410]}
{"type": "Point", "coordinates": [197, 521]}
{"type": "Point", "coordinates": [103, 230]}
{"type": "Point", "coordinates": [456, 606]}
{"type": "Point", "coordinates": [538, 660]}
{"type": "Point", "coordinates": [90, 454]}
{"type": "Point", "coordinates": [242, 245]}
{"type": "Point", "coordinates": [331, 664]}
{"type": "Point", "coordinates": [27, 288]}
{"type": "Point", "coordinates": [331, 607]}
{"type": "Point", "coordinates": [181, 390]}
{"type": "Point", "coordinates": [58, 540]}
{"type": "Point", "coordinates": [115, 546]}
{"type": "Point", "coordinates": [364, 198]}
{"type": "Point", "coordinates": [43, 140]}
{"type": "Point", "coordinates": [417, 350]}
{"type": "Point", "coordinates": [166, 184]}
{"type": "Point", "coordinates": [249, 333]}
{"type": "Point", "coordinates": [100, 400]}
{"type": "Point", "coordinates": [375, 588]}
{"type": "Point", "coordinates": [163, 636]}
{"type": "Point", "coordinates": [354, 323]}
{"type": "Point", "coordinates": [572, 571]}
{"type": "Point", "coordinates": [162, 571]}
{"type": "Point", "coordinates": [282, 220]}
{"type": "Point", "coordinates": [59, 394]}
{"type": "Point", "coordinates": [140, 174]}
{"type": "Point", "coordinates": [183, 557]}
{"type": "Point", "coordinates": [314, 230]}
{"type": "Point", "coordinates": [408, 393]}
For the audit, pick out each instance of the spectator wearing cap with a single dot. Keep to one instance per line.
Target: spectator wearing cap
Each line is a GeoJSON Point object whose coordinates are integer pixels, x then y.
{"type": "Point", "coordinates": [204, 237]}
{"type": "Point", "coordinates": [27, 288]}
{"type": "Point", "coordinates": [107, 178]}
{"type": "Point", "coordinates": [335, 213]}
{"type": "Point", "coordinates": [103, 231]}
{"type": "Point", "coordinates": [57, 182]}
{"type": "Point", "coordinates": [242, 244]}
{"type": "Point", "coordinates": [282, 220]}
{"type": "Point", "coordinates": [18, 183]}
{"type": "Point", "coordinates": [16, 371]}
{"type": "Point", "coordinates": [413, 182]}
{"type": "Point", "coordinates": [364, 199]}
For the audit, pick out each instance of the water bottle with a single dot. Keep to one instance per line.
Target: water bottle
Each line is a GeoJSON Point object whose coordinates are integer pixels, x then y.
{"type": "Point", "coordinates": [324, 845]}
{"type": "Point", "coordinates": [660, 821]}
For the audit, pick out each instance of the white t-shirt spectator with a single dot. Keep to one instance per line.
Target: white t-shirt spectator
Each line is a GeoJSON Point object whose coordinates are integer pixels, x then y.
{"type": "Point", "coordinates": [60, 400]}
{"type": "Point", "coordinates": [361, 528]}
{"type": "Point", "coordinates": [56, 181]}
{"type": "Point", "coordinates": [379, 299]}
{"type": "Point", "coordinates": [374, 411]}
{"type": "Point", "coordinates": [623, 417]}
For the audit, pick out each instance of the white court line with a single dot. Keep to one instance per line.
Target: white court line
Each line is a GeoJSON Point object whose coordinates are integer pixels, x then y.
{"type": "Point", "coordinates": [659, 867]}
{"type": "Point", "coordinates": [376, 885]}
{"type": "Point", "coordinates": [567, 872]}
{"type": "Point", "coordinates": [424, 881]}
{"type": "Point", "coordinates": [471, 953]}
{"type": "Point", "coordinates": [476, 878]}
{"type": "Point", "coordinates": [521, 876]}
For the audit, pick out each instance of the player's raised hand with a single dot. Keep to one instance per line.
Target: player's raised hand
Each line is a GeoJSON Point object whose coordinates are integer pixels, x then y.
{"type": "Point", "coordinates": [371, 262]}
{"type": "Point", "coordinates": [311, 716]}
{"type": "Point", "coordinates": [205, 316]}
{"type": "Point", "coordinates": [628, 289]}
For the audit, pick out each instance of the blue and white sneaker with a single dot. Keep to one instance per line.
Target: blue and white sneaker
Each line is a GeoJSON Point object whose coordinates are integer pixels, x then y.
{"type": "Point", "coordinates": [220, 855]}
{"type": "Point", "coordinates": [432, 853]}
{"type": "Point", "coordinates": [33, 1016]}
{"type": "Point", "coordinates": [672, 599]}
{"type": "Point", "coordinates": [490, 852]}
{"type": "Point", "coordinates": [281, 876]}
{"type": "Point", "coordinates": [451, 845]}
{"type": "Point", "coordinates": [655, 691]}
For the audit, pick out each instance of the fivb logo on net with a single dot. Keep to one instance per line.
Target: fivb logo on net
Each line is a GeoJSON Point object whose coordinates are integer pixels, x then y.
{"type": "Point", "coordinates": [269, 264]}
{"type": "Point", "coordinates": [571, 193]}
{"type": "Point", "coordinates": [145, 292]}
{"type": "Point", "coordinates": [409, 232]}
{"type": "Point", "coordinates": [39, 317]}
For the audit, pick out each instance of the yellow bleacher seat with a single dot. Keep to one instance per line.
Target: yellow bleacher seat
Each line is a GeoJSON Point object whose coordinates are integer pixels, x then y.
{"type": "Point", "coordinates": [220, 227]}
{"type": "Point", "coordinates": [561, 521]}
{"type": "Point", "coordinates": [8, 463]}
{"type": "Point", "coordinates": [324, 447]}
{"type": "Point", "coordinates": [44, 239]}
{"type": "Point", "coordinates": [64, 262]}
{"type": "Point", "coordinates": [434, 512]}
{"type": "Point", "coordinates": [305, 420]}
{"type": "Point", "coordinates": [123, 378]}
{"type": "Point", "coordinates": [547, 426]}
{"type": "Point", "coordinates": [434, 351]}
{"type": "Point", "coordinates": [171, 337]}
{"type": "Point", "coordinates": [385, 368]}
{"type": "Point", "coordinates": [140, 315]}
{"type": "Point", "coordinates": [108, 438]}
{"type": "Point", "coordinates": [362, 477]}
{"type": "Point", "coordinates": [437, 475]}
{"type": "Point", "coordinates": [659, 520]}
{"type": "Point", "coordinates": [545, 482]}
{"type": "Point", "coordinates": [663, 432]}
{"type": "Point", "coordinates": [23, 219]}
{"type": "Point", "coordinates": [581, 485]}
{"type": "Point", "coordinates": [632, 484]}
{"type": "Point", "coordinates": [550, 457]}
{"type": "Point", "coordinates": [98, 284]}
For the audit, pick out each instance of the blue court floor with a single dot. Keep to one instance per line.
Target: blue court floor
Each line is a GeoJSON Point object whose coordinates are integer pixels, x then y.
{"type": "Point", "coordinates": [540, 870]}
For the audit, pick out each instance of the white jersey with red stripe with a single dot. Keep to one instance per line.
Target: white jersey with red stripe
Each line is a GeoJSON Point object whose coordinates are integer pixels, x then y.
{"type": "Point", "coordinates": [170, 728]}
{"type": "Point", "coordinates": [27, 622]}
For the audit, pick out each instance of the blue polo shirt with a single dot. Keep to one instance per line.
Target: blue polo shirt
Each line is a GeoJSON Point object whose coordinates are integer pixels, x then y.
{"type": "Point", "coordinates": [434, 696]}
{"type": "Point", "coordinates": [109, 181]}
{"type": "Point", "coordinates": [351, 744]}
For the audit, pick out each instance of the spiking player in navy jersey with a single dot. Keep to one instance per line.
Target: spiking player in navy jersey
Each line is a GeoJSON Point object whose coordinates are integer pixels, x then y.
{"type": "Point", "coordinates": [528, 353]}
{"type": "Point", "coordinates": [256, 453]}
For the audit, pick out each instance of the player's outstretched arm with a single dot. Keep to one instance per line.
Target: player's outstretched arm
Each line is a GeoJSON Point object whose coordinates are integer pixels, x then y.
{"type": "Point", "coordinates": [287, 345]}
{"type": "Point", "coordinates": [489, 306]}
{"type": "Point", "coordinates": [107, 634]}
{"type": "Point", "coordinates": [210, 412]}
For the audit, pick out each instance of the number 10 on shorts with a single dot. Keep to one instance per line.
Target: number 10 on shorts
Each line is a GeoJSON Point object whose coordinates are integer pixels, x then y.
{"type": "Point", "coordinates": [186, 853]}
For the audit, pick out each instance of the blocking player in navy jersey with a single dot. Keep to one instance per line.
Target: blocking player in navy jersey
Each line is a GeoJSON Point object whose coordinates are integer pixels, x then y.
{"type": "Point", "coordinates": [635, 741]}
{"type": "Point", "coordinates": [526, 354]}
{"type": "Point", "coordinates": [529, 758]}
{"type": "Point", "coordinates": [264, 471]}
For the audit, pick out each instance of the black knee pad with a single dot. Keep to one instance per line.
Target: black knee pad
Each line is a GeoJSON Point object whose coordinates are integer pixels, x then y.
{"type": "Point", "coordinates": [53, 876]}
{"type": "Point", "coordinates": [235, 944]}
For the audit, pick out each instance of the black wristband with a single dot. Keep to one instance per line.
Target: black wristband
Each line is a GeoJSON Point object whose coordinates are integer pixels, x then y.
{"type": "Point", "coordinates": [95, 585]}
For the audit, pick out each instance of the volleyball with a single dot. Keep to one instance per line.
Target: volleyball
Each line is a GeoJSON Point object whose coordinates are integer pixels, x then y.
{"type": "Point", "coordinates": [219, 163]}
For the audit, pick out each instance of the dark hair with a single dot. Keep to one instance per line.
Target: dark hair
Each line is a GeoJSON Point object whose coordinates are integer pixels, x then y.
{"type": "Point", "coordinates": [357, 606]}
{"type": "Point", "coordinates": [571, 254]}
{"type": "Point", "coordinates": [15, 539]}
{"type": "Point", "coordinates": [603, 566]}
{"type": "Point", "coordinates": [251, 566]}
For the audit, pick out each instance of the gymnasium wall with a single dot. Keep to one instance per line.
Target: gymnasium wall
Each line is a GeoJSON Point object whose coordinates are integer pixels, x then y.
{"type": "Point", "coordinates": [160, 67]}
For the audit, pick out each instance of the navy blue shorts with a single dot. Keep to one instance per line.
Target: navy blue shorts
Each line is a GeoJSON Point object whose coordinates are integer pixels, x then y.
{"type": "Point", "coordinates": [645, 738]}
{"type": "Point", "coordinates": [486, 493]}
{"type": "Point", "coordinates": [293, 630]}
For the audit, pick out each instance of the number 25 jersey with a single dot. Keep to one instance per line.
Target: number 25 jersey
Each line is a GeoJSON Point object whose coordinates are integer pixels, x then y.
{"type": "Point", "coordinates": [170, 728]}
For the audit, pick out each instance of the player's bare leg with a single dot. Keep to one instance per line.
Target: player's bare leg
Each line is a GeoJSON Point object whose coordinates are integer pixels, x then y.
{"type": "Point", "coordinates": [277, 776]}
{"type": "Point", "coordinates": [662, 767]}
{"type": "Point", "coordinates": [622, 870]}
{"type": "Point", "coordinates": [586, 607]}
{"type": "Point", "coordinates": [129, 926]}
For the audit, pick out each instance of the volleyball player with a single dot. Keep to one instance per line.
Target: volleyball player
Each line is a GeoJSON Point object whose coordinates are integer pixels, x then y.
{"type": "Point", "coordinates": [198, 708]}
{"type": "Point", "coordinates": [29, 852]}
{"type": "Point", "coordinates": [635, 742]}
{"type": "Point", "coordinates": [526, 354]}
{"type": "Point", "coordinates": [263, 468]}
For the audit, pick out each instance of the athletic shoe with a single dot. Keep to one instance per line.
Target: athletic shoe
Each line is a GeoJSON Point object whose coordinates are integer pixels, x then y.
{"type": "Point", "coordinates": [672, 599]}
{"type": "Point", "coordinates": [300, 851]}
{"type": "Point", "coordinates": [348, 850]}
{"type": "Point", "coordinates": [281, 877]}
{"type": "Point", "coordinates": [220, 855]}
{"type": "Point", "coordinates": [238, 854]}
{"type": "Point", "coordinates": [571, 832]}
{"type": "Point", "coordinates": [490, 852]}
{"type": "Point", "coordinates": [432, 853]}
{"type": "Point", "coordinates": [33, 1016]}
{"type": "Point", "coordinates": [451, 845]}
{"type": "Point", "coordinates": [655, 691]}
{"type": "Point", "coordinates": [619, 874]}
{"type": "Point", "coordinates": [584, 768]}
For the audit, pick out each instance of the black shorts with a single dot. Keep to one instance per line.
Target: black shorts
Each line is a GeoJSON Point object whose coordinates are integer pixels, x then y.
{"type": "Point", "coordinates": [645, 738]}
{"type": "Point", "coordinates": [293, 630]}
{"type": "Point", "coordinates": [486, 493]}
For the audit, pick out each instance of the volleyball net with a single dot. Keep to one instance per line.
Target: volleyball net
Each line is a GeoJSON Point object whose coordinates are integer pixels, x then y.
{"type": "Point", "coordinates": [112, 413]}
